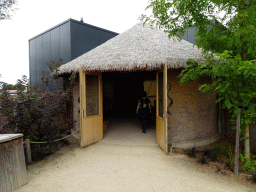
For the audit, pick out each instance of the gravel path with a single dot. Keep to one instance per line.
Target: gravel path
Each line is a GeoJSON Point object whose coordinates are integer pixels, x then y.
{"type": "Point", "coordinates": [116, 166]}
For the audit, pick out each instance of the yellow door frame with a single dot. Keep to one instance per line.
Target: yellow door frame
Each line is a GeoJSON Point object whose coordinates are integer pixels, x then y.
{"type": "Point", "coordinates": [91, 128]}
{"type": "Point", "coordinates": [161, 122]}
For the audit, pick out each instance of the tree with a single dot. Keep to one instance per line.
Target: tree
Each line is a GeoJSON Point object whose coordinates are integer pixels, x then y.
{"type": "Point", "coordinates": [10, 87]}
{"type": "Point", "coordinates": [237, 35]}
{"type": "Point", "coordinates": [6, 8]}
{"type": "Point", "coordinates": [232, 37]}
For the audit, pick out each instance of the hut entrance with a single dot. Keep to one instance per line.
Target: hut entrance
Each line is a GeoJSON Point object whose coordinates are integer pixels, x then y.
{"type": "Point", "coordinates": [116, 94]}
{"type": "Point", "coordinates": [121, 92]}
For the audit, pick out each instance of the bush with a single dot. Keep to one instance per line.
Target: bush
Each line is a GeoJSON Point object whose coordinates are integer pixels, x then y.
{"type": "Point", "coordinates": [41, 115]}
{"type": "Point", "coordinates": [226, 149]}
{"type": "Point", "coordinates": [208, 155]}
{"type": "Point", "coordinates": [249, 164]}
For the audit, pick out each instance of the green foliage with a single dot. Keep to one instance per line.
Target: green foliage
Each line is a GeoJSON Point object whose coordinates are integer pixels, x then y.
{"type": "Point", "coordinates": [249, 164]}
{"type": "Point", "coordinates": [226, 149]}
{"type": "Point", "coordinates": [214, 32]}
{"type": "Point", "coordinates": [10, 87]}
{"type": "Point", "coordinates": [232, 37]}
{"type": "Point", "coordinates": [233, 80]}
{"type": "Point", "coordinates": [233, 71]}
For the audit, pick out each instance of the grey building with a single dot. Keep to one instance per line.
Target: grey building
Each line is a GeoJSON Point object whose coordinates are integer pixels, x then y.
{"type": "Point", "coordinates": [65, 41]}
{"type": "Point", "coordinates": [190, 35]}
{"type": "Point", "coordinates": [191, 32]}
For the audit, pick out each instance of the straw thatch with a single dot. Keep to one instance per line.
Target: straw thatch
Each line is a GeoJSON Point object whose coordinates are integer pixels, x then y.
{"type": "Point", "coordinates": [140, 47]}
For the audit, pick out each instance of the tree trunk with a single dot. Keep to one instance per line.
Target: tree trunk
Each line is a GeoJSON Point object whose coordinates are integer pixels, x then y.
{"type": "Point", "coordinates": [247, 143]}
{"type": "Point", "coordinates": [237, 141]}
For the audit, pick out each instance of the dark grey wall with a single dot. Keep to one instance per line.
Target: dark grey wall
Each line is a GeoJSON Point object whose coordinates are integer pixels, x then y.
{"type": "Point", "coordinates": [190, 35]}
{"type": "Point", "coordinates": [65, 41]}
{"type": "Point", "coordinates": [85, 37]}
{"type": "Point", "coordinates": [190, 32]}
{"type": "Point", "coordinates": [51, 45]}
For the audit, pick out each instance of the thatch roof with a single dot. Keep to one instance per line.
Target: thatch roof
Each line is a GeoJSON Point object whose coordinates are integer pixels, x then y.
{"type": "Point", "coordinates": [140, 47]}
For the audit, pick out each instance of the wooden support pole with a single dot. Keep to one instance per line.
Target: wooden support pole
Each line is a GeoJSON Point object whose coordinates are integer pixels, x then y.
{"type": "Point", "coordinates": [28, 151]}
{"type": "Point", "coordinates": [219, 115]}
{"type": "Point", "coordinates": [237, 141]}
{"type": "Point", "coordinates": [247, 151]}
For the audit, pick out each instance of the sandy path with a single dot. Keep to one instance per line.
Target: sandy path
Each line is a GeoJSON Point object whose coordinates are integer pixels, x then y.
{"type": "Point", "coordinates": [107, 166]}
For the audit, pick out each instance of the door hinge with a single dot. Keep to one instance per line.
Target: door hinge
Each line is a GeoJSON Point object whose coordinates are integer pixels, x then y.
{"type": "Point", "coordinates": [83, 113]}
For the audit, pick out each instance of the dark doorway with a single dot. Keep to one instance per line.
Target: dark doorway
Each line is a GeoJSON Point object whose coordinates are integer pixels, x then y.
{"type": "Point", "coordinates": [127, 89]}
{"type": "Point", "coordinates": [121, 92]}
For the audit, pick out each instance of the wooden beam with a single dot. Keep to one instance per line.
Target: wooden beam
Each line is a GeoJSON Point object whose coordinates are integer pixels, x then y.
{"type": "Point", "coordinates": [237, 141]}
{"type": "Point", "coordinates": [28, 151]}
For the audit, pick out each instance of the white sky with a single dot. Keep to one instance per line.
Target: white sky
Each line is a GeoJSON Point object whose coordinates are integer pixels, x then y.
{"type": "Point", "coordinates": [37, 16]}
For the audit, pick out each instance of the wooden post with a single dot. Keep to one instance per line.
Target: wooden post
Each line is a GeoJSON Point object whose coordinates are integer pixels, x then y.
{"type": "Point", "coordinates": [219, 115]}
{"type": "Point", "coordinates": [237, 141]}
{"type": "Point", "coordinates": [247, 151]}
{"type": "Point", "coordinates": [28, 151]}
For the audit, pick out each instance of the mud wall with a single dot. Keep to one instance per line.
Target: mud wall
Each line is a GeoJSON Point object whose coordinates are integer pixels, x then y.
{"type": "Point", "coordinates": [193, 113]}
{"type": "Point", "coordinates": [76, 108]}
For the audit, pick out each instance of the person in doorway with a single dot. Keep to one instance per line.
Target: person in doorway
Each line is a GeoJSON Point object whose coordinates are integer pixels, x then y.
{"type": "Point", "coordinates": [144, 110]}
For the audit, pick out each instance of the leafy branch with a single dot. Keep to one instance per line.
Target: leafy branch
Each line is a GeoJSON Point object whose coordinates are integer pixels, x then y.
{"type": "Point", "coordinates": [232, 79]}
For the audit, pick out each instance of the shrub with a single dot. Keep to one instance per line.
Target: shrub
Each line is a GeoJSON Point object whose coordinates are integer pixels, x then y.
{"type": "Point", "coordinates": [249, 164]}
{"type": "Point", "coordinates": [207, 156]}
{"type": "Point", "coordinates": [203, 159]}
{"type": "Point", "coordinates": [226, 149]}
{"type": "Point", "coordinates": [211, 154]}
{"type": "Point", "coordinates": [41, 115]}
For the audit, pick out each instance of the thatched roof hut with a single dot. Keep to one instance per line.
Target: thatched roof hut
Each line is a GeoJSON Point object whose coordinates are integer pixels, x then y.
{"type": "Point", "coordinates": [193, 114]}
{"type": "Point", "coordinates": [140, 47]}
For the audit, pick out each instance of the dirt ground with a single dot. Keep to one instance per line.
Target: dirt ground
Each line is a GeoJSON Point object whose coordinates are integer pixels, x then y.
{"type": "Point", "coordinates": [115, 167]}
{"type": "Point", "coordinates": [127, 160]}
{"type": "Point", "coordinates": [218, 168]}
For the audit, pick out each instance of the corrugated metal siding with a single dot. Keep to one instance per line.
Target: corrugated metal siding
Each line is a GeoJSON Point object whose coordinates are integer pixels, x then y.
{"type": "Point", "coordinates": [40, 59]}
{"type": "Point", "coordinates": [49, 46]}
{"type": "Point", "coordinates": [47, 51]}
{"type": "Point", "coordinates": [32, 61]}
{"type": "Point", "coordinates": [65, 43]}
{"type": "Point", "coordinates": [55, 44]}
{"type": "Point", "coordinates": [189, 35]}
{"type": "Point", "coordinates": [86, 37]}
{"type": "Point", "coordinates": [185, 37]}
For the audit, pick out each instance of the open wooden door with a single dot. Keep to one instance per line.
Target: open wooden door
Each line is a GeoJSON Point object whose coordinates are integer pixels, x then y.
{"type": "Point", "coordinates": [161, 108]}
{"type": "Point", "coordinates": [91, 111]}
